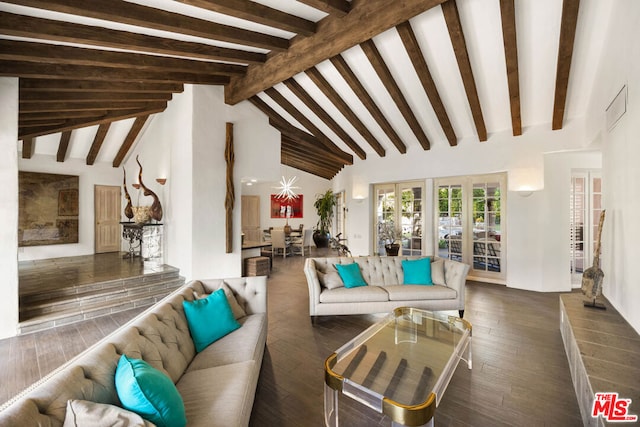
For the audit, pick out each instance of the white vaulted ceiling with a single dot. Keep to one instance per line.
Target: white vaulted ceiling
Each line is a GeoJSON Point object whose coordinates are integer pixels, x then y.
{"type": "Point", "coordinates": [56, 84]}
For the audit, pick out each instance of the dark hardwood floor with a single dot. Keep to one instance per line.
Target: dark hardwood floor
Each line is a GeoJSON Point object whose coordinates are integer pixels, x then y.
{"type": "Point", "coordinates": [520, 374]}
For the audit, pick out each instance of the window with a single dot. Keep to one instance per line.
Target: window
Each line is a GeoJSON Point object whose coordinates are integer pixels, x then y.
{"type": "Point", "coordinates": [585, 207]}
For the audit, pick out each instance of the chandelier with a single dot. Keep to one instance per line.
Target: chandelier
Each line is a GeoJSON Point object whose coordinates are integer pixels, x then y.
{"type": "Point", "coordinates": [287, 189]}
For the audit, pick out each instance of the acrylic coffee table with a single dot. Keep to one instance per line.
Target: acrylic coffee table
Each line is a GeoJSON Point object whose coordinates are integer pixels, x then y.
{"type": "Point", "coordinates": [399, 367]}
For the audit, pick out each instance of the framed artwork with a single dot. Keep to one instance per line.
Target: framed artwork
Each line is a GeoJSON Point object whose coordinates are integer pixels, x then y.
{"type": "Point", "coordinates": [48, 209]}
{"type": "Point", "coordinates": [286, 208]}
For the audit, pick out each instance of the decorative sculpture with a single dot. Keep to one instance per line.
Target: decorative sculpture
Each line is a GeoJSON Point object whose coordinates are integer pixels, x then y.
{"type": "Point", "coordinates": [128, 210]}
{"type": "Point", "coordinates": [229, 157]}
{"type": "Point", "coordinates": [156, 207]}
{"type": "Point", "coordinates": [592, 276]}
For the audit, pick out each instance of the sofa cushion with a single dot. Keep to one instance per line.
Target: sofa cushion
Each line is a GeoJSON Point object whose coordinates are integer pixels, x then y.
{"type": "Point", "coordinates": [330, 279]}
{"type": "Point", "coordinates": [358, 294]}
{"type": "Point", "coordinates": [82, 413]}
{"type": "Point", "coordinates": [437, 272]}
{"type": "Point", "coordinates": [209, 319]}
{"type": "Point", "coordinates": [351, 275]}
{"type": "Point", "coordinates": [417, 272]}
{"type": "Point", "coordinates": [237, 310]}
{"type": "Point", "coordinates": [419, 292]}
{"type": "Point", "coordinates": [245, 343]}
{"type": "Point", "coordinates": [148, 392]}
{"type": "Point", "coordinates": [221, 396]}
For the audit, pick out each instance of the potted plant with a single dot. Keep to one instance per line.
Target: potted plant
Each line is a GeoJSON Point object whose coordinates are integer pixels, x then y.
{"type": "Point", "coordinates": [324, 205]}
{"type": "Point", "coordinates": [390, 235]}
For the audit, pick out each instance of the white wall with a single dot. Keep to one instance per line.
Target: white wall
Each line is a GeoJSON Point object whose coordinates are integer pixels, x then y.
{"type": "Point", "coordinates": [9, 206]}
{"type": "Point", "coordinates": [537, 236]}
{"type": "Point", "coordinates": [619, 66]}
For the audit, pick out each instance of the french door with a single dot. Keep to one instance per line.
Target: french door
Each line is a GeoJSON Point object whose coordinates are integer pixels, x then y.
{"type": "Point", "coordinates": [399, 206]}
{"type": "Point", "coordinates": [470, 221]}
{"type": "Point", "coordinates": [585, 207]}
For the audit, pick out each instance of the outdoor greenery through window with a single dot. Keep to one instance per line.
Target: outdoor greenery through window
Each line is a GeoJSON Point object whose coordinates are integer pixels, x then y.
{"type": "Point", "coordinates": [399, 217]}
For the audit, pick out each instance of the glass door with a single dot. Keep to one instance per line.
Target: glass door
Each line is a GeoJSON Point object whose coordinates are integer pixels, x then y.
{"type": "Point", "coordinates": [399, 217]}
{"type": "Point", "coordinates": [411, 212]}
{"type": "Point", "coordinates": [450, 221]}
{"type": "Point", "coordinates": [585, 208]}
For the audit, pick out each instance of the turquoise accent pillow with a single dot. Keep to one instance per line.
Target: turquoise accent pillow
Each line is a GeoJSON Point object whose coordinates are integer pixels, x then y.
{"type": "Point", "coordinates": [417, 272]}
{"type": "Point", "coordinates": [209, 319]}
{"type": "Point", "coordinates": [350, 275]}
{"type": "Point", "coordinates": [149, 393]}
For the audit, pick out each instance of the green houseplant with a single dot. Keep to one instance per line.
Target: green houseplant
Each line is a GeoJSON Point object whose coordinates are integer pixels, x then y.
{"type": "Point", "coordinates": [389, 234]}
{"type": "Point", "coordinates": [324, 204]}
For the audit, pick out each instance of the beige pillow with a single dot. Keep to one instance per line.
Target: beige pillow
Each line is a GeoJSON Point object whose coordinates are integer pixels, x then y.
{"type": "Point", "coordinates": [437, 272]}
{"type": "Point", "coordinates": [82, 413]}
{"type": "Point", "coordinates": [330, 280]}
{"type": "Point", "coordinates": [236, 308]}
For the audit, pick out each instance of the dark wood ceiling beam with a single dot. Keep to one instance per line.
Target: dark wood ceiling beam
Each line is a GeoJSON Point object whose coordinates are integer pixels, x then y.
{"type": "Point", "coordinates": [256, 12]}
{"type": "Point", "coordinates": [349, 76]}
{"type": "Point", "coordinates": [284, 127]}
{"type": "Point", "coordinates": [325, 87]}
{"type": "Point", "coordinates": [308, 150]}
{"type": "Point", "coordinates": [279, 99]}
{"type": "Point", "coordinates": [308, 167]}
{"type": "Point", "coordinates": [111, 116]}
{"type": "Point", "coordinates": [84, 106]}
{"type": "Point", "coordinates": [157, 19]}
{"type": "Point", "coordinates": [334, 7]}
{"type": "Point", "coordinates": [46, 29]}
{"type": "Point", "coordinates": [452, 18]}
{"type": "Point", "coordinates": [390, 84]}
{"type": "Point", "coordinates": [28, 147]}
{"type": "Point", "coordinates": [40, 123]}
{"type": "Point", "coordinates": [66, 115]}
{"type": "Point", "coordinates": [65, 71]}
{"type": "Point", "coordinates": [40, 97]}
{"type": "Point", "coordinates": [136, 127]}
{"type": "Point", "coordinates": [565, 53]}
{"type": "Point", "coordinates": [293, 152]}
{"type": "Point", "coordinates": [295, 87]}
{"type": "Point", "coordinates": [97, 143]}
{"type": "Point", "coordinates": [49, 86]}
{"type": "Point", "coordinates": [365, 20]}
{"type": "Point", "coordinates": [57, 54]}
{"type": "Point", "coordinates": [508, 15]}
{"type": "Point", "coordinates": [422, 70]}
{"type": "Point", "coordinates": [64, 146]}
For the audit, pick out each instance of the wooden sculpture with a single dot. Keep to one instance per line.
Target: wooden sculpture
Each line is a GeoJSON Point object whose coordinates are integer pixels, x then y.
{"type": "Point", "coordinates": [156, 207]}
{"type": "Point", "coordinates": [128, 210]}
{"type": "Point", "coordinates": [229, 157]}
{"type": "Point", "coordinates": [592, 276]}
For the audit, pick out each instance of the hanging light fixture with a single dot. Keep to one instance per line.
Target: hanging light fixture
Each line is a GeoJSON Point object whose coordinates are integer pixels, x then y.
{"type": "Point", "coordinates": [286, 187]}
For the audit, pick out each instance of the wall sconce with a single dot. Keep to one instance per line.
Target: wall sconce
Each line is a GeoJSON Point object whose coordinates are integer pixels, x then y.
{"type": "Point", "coordinates": [359, 189]}
{"type": "Point", "coordinates": [358, 198]}
{"type": "Point", "coordinates": [161, 181]}
{"type": "Point", "coordinates": [524, 181]}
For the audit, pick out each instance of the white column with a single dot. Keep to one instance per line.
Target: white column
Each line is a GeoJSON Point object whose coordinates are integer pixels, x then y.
{"type": "Point", "coordinates": [9, 206]}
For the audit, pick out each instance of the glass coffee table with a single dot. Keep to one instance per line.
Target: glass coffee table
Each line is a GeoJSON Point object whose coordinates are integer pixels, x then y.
{"type": "Point", "coordinates": [399, 366]}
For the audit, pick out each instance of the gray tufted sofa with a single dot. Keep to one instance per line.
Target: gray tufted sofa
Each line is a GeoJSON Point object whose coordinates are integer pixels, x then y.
{"type": "Point", "coordinates": [385, 290]}
{"type": "Point", "coordinates": [217, 385]}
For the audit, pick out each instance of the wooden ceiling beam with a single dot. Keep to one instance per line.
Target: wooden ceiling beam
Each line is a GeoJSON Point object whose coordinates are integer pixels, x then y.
{"type": "Point", "coordinates": [84, 106]}
{"type": "Point", "coordinates": [83, 72]}
{"type": "Point", "coordinates": [452, 18]}
{"type": "Point", "coordinates": [568, 27]}
{"type": "Point", "coordinates": [45, 53]}
{"type": "Point", "coordinates": [291, 155]}
{"type": "Point", "coordinates": [43, 97]}
{"type": "Point", "coordinates": [136, 127]}
{"type": "Point", "coordinates": [279, 99]}
{"type": "Point", "coordinates": [48, 115]}
{"type": "Point", "coordinates": [390, 84]}
{"type": "Point", "coordinates": [363, 96]}
{"type": "Point", "coordinates": [338, 8]}
{"type": "Point", "coordinates": [304, 149]}
{"type": "Point", "coordinates": [46, 29]}
{"type": "Point", "coordinates": [325, 87]}
{"type": "Point", "coordinates": [49, 86]}
{"type": "Point", "coordinates": [28, 147]}
{"type": "Point", "coordinates": [158, 19]}
{"type": "Point", "coordinates": [508, 16]}
{"type": "Point", "coordinates": [416, 56]}
{"type": "Point", "coordinates": [97, 142]}
{"type": "Point", "coordinates": [295, 87]}
{"type": "Point", "coordinates": [365, 20]}
{"type": "Point", "coordinates": [111, 116]}
{"type": "Point", "coordinates": [308, 168]}
{"type": "Point", "coordinates": [64, 146]}
{"type": "Point", "coordinates": [256, 12]}
{"type": "Point", "coordinates": [40, 123]}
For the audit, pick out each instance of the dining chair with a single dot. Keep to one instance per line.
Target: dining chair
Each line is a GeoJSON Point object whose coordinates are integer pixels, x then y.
{"type": "Point", "coordinates": [304, 241]}
{"type": "Point", "coordinates": [279, 243]}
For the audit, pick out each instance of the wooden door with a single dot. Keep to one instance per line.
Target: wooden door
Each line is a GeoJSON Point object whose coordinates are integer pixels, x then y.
{"type": "Point", "coordinates": [251, 218]}
{"type": "Point", "coordinates": [107, 215]}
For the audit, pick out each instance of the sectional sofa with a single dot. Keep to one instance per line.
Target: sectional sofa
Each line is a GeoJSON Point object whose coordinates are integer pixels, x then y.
{"type": "Point", "coordinates": [385, 288]}
{"type": "Point", "coordinates": [217, 384]}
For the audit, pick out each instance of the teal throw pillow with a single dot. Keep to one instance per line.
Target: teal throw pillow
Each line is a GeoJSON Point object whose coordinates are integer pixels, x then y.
{"type": "Point", "coordinates": [149, 393]}
{"type": "Point", "coordinates": [351, 275]}
{"type": "Point", "coordinates": [417, 272]}
{"type": "Point", "coordinates": [209, 319]}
